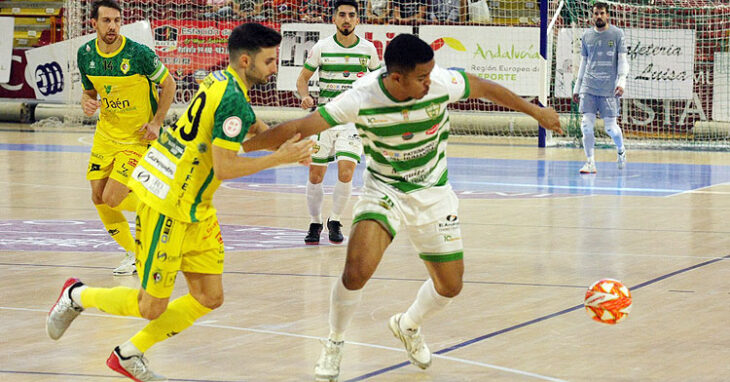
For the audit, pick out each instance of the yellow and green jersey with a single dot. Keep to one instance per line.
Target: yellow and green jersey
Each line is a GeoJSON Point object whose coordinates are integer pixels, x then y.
{"type": "Point", "coordinates": [123, 79]}
{"type": "Point", "coordinates": [176, 175]}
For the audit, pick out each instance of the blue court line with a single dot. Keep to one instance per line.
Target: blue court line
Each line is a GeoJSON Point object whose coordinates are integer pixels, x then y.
{"type": "Point", "coordinates": [538, 185]}
{"type": "Point", "coordinates": [18, 372]}
{"type": "Point", "coordinates": [44, 148]}
{"type": "Point", "coordinates": [312, 275]}
{"type": "Point", "coordinates": [534, 321]}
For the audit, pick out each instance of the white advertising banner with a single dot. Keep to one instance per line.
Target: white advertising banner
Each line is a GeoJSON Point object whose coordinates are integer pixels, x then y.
{"type": "Point", "coordinates": [52, 69]}
{"type": "Point", "coordinates": [7, 24]}
{"type": "Point", "coordinates": [298, 39]}
{"type": "Point", "coordinates": [509, 56]}
{"type": "Point", "coordinates": [661, 61]}
{"type": "Point", "coordinates": [721, 87]}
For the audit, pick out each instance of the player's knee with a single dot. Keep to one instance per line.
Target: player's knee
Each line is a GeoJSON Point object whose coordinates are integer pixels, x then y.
{"type": "Point", "coordinates": [587, 123]}
{"type": "Point", "coordinates": [315, 178]}
{"type": "Point", "coordinates": [152, 310]}
{"type": "Point", "coordinates": [97, 198]}
{"type": "Point", "coordinates": [450, 289]}
{"type": "Point", "coordinates": [113, 199]}
{"type": "Point", "coordinates": [210, 300]}
{"type": "Point", "coordinates": [611, 126]}
{"type": "Point", "coordinates": [345, 175]}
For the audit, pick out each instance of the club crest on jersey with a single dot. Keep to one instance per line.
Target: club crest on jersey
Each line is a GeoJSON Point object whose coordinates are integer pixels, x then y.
{"type": "Point", "coordinates": [125, 66]}
{"type": "Point", "coordinates": [232, 126]}
{"type": "Point", "coordinates": [363, 61]}
{"type": "Point", "coordinates": [108, 89]}
{"type": "Point", "coordinates": [610, 43]}
{"type": "Point", "coordinates": [433, 110]}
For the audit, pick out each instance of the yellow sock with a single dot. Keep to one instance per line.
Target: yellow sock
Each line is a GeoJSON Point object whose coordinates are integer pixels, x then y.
{"type": "Point", "coordinates": [117, 226]}
{"type": "Point", "coordinates": [119, 301]}
{"type": "Point", "coordinates": [129, 203]}
{"type": "Point", "coordinates": [180, 315]}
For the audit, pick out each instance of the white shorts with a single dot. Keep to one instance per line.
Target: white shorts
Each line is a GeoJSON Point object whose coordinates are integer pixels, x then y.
{"type": "Point", "coordinates": [334, 145]}
{"type": "Point", "coordinates": [430, 216]}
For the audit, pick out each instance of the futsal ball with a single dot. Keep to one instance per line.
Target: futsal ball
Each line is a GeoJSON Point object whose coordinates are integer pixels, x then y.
{"type": "Point", "coordinates": [608, 301]}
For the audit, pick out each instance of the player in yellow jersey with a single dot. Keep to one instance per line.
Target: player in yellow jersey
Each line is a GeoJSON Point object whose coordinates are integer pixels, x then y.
{"type": "Point", "coordinates": [177, 228]}
{"type": "Point", "coordinates": [120, 77]}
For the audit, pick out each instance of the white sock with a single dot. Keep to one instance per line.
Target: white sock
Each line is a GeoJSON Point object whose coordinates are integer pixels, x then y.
{"type": "Point", "coordinates": [343, 304]}
{"type": "Point", "coordinates": [589, 138]}
{"type": "Point", "coordinates": [128, 349]}
{"type": "Point", "coordinates": [428, 302]}
{"type": "Point", "coordinates": [315, 194]}
{"type": "Point", "coordinates": [614, 132]}
{"type": "Point", "coordinates": [339, 198]}
{"type": "Point", "coordinates": [76, 295]}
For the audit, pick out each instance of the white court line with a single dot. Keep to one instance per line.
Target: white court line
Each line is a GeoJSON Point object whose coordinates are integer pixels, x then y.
{"type": "Point", "coordinates": [87, 140]}
{"type": "Point", "coordinates": [277, 333]}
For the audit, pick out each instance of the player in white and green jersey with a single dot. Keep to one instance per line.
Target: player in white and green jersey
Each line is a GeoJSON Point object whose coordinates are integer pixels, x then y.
{"type": "Point", "coordinates": [177, 227]}
{"type": "Point", "coordinates": [120, 78]}
{"type": "Point", "coordinates": [401, 115]}
{"type": "Point", "coordinates": [340, 59]}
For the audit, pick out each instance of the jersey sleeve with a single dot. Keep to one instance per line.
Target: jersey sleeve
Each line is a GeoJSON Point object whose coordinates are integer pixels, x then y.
{"type": "Point", "coordinates": [231, 122]}
{"type": "Point", "coordinates": [457, 83]}
{"type": "Point", "coordinates": [342, 109]}
{"type": "Point", "coordinates": [150, 65]}
{"type": "Point", "coordinates": [621, 45]}
{"type": "Point", "coordinates": [314, 57]}
{"type": "Point", "coordinates": [81, 62]}
{"type": "Point", "coordinates": [374, 60]}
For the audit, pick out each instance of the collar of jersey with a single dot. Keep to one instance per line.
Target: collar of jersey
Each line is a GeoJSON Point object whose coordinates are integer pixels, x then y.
{"type": "Point", "coordinates": [346, 47]}
{"type": "Point", "coordinates": [114, 53]}
{"type": "Point", "coordinates": [232, 72]}
{"type": "Point", "coordinates": [387, 94]}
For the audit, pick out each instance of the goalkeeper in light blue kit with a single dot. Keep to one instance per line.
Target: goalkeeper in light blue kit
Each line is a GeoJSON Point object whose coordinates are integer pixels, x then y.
{"type": "Point", "coordinates": [601, 81]}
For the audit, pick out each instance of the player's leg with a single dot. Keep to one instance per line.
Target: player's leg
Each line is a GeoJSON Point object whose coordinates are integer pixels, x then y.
{"type": "Point", "coordinates": [588, 109]}
{"type": "Point", "coordinates": [374, 227]}
{"type": "Point", "coordinates": [610, 109]}
{"type": "Point", "coordinates": [323, 154]}
{"type": "Point", "coordinates": [443, 255]}
{"type": "Point", "coordinates": [348, 149]}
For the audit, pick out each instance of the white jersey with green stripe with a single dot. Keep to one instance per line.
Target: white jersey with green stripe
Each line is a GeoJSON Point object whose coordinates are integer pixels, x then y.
{"type": "Point", "coordinates": [404, 142]}
{"type": "Point", "coordinates": [339, 67]}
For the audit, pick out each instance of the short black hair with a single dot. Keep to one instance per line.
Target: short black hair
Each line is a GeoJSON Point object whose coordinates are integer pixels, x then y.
{"type": "Point", "coordinates": [406, 51]}
{"type": "Point", "coordinates": [104, 3]}
{"type": "Point", "coordinates": [338, 3]}
{"type": "Point", "coordinates": [250, 38]}
{"type": "Point", "coordinates": [600, 5]}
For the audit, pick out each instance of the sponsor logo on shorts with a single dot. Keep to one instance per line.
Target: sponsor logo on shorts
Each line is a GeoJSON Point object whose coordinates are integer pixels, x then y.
{"type": "Point", "coordinates": [95, 167]}
{"type": "Point", "coordinates": [450, 238]}
{"type": "Point", "coordinates": [159, 161]}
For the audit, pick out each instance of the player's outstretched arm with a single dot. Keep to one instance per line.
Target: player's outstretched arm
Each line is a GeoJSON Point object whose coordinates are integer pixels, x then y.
{"type": "Point", "coordinates": [272, 138]}
{"type": "Point", "coordinates": [228, 165]}
{"type": "Point", "coordinates": [481, 88]}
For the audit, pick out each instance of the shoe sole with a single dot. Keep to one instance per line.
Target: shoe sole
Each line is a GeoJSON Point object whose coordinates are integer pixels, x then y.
{"type": "Point", "coordinates": [393, 326]}
{"type": "Point", "coordinates": [336, 242]}
{"type": "Point", "coordinates": [124, 273]}
{"type": "Point", "coordinates": [71, 281]}
{"type": "Point", "coordinates": [587, 172]}
{"type": "Point", "coordinates": [311, 242]}
{"type": "Point", "coordinates": [326, 379]}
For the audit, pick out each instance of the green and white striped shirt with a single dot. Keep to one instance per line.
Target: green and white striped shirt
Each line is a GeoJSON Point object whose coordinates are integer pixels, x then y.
{"type": "Point", "coordinates": [339, 66]}
{"type": "Point", "coordinates": [404, 142]}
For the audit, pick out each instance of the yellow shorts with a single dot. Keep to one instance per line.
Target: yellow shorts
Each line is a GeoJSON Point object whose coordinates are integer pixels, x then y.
{"type": "Point", "coordinates": [110, 159]}
{"type": "Point", "coordinates": [166, 246]}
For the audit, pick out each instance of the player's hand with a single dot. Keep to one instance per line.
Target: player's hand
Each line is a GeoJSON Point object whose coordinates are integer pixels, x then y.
{"type": "Point", "coordinates": [619, 91]}
{"type": "Point", "coordinates": [90, 105]}
{"type": "Point", "coordinates": [307, 102]}
{"type": "Point", "coordinates": [548, 118]}
{"type": "Point", "coordinates": [576, 97]}
{"type": "Point", "coordinates": [292, 151]}
{"type": "Point", "coordinates": [151, 130]}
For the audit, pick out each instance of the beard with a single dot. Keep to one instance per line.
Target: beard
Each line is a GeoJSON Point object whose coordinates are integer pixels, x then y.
{"type": "Point", "coordinates": [346, 32]}
{"type": "Point", "coordinates": [254, 77]}
{"type": "Point", "coordinates": [110, 39]}
{"type": "Point", "coordinates": [600, 23]}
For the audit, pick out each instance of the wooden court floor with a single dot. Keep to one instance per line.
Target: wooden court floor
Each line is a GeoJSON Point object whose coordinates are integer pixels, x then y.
{"type": "Point", "coordinates": [536, 235]}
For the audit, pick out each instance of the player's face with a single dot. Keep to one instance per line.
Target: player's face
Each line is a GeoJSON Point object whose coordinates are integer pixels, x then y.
{"type": "Point", "coordinates": [262, 67]}
{"type": "Point", "coordinates": [346, 19]}
{"type": "Point", "coordinates": [108, 24]}
{"type": "Point", "coordinates": [600, 17]}
{"type": "Point", "coordinates": [417, 82]}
